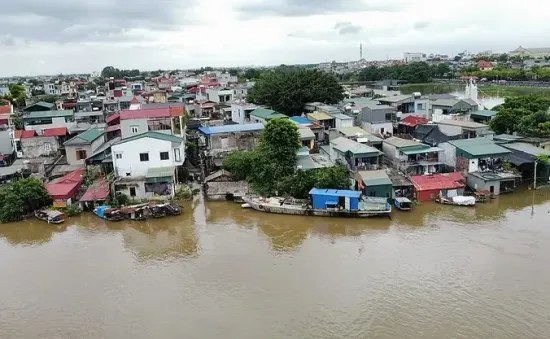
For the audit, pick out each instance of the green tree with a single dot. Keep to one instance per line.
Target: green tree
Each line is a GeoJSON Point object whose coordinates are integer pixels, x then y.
{"type": "Point", "coordinates": [17, 94]}
{"type": "Point", "coordinates": [241, 164]}
{"type": "Point", "coordinates": [333, 177]}
{"type": "Point", "coordinates": [527, 115]}
{"type": "Point", "coordinates": [22, 197]}
{"type": "Point", "coordinates": [287, 89]}
{"type": "Point", "coordinates": [90, 86]}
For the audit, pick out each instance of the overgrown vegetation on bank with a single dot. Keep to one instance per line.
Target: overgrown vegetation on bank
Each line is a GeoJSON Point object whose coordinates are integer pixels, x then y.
{"type": "Point", "coordinates": [22, 197]}
{"type": "Point", "coordinates": [271, 167]}
{"type": "Point", "coordinates": [527, 115]}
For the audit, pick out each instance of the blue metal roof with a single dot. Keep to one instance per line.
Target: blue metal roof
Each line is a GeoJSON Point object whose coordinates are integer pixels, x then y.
{"type": "Point", "coordinates": [301, 120]}
{"type": "Point", "coordinates": [209, 130]}
{"type": "Point", "coordinates": [335, 193]}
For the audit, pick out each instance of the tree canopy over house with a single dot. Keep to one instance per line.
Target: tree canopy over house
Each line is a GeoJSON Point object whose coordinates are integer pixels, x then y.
{"type": "Point", "coordinates": [527, 115]}
{"type": "Point", "coordinates": [287, 89]}
{"type": "Point", "coordinates": [111, 71]}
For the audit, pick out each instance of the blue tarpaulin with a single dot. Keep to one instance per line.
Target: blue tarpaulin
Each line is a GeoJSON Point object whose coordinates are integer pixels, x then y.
{"type": "Point", "coordinates": [100, 210]}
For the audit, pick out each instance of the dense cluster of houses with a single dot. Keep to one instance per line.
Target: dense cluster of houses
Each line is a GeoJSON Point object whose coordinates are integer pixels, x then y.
{"type": "Point", "coordinates": [393, 146]}
{"type": "Point", "coordinates": [403, 145]}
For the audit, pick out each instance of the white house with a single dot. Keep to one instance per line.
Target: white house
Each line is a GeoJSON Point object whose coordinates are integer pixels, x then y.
{"type": "Point", "coordinates": [145, 164]}
{"type": "Point", "coordinates": [240, 112]}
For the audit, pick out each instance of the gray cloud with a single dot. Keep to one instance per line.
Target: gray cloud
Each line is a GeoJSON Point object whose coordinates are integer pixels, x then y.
{"type": "Point", "coordinates": [7, 40]}
{"type": "Point", "coordinates": [302, 8]}
{"type": "Point", "coordinates": [419, 25]}
{"type": "Point", "coordinates": [67, 21]}
{"type": "Point", "coordinates": [347, 28]}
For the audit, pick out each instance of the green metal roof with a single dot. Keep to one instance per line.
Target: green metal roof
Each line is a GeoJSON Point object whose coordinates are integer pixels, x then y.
{"type": "Point", "coordinates": [48, 114]}
{"type": "Point", "coordinates": [344, 145]}
{"type": "Point", "coordinates": [479, 147]}
{"type": "Point", "coordinates": [375, 178]}
{"type": "Point", "coordinates": [267, 114]}
{"type": "Point", "coordinates": [85, 137]}
{"type": "Point", "coordinates": [154, 135]}
{"type": "Point", "coordinates": [484, 114]}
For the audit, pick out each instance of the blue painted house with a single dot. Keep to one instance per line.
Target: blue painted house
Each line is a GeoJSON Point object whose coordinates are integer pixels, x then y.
{"type": "Point", "coordinates": [323, 197]}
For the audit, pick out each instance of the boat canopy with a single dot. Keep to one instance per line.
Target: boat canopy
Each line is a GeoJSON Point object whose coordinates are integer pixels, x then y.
{"type": "Point", "coordinates": [53, 213]}
{"type": "Point", "coordinates": [402, 200]}
{"type": "Point", "coordinates": [100, 210]}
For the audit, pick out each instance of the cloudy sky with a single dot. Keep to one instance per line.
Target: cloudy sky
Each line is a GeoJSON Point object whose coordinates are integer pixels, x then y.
{"type": "Point", "coordinates": [67, 36]}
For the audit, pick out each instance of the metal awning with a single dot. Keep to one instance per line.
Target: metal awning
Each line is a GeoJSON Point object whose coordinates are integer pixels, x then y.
{"type": "Point", "coordinates": [423, 150]}
{"type": "Point", "coordinates": [160, 174]}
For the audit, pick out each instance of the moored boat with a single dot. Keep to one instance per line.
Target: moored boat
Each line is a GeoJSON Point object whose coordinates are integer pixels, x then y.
{"type": "Point", "coordinates": [325, 203]}
{"type": "Point", "coordinates": [136, 212]}
{"type": "Point", "coordinates": [403, 204]}
{"type": "Point", "coordinates": [165, 209]}
{"type": "Point", "coordinates": [50, 216]}
{"type": "Point", "coordinates": [108, 213]}
{"type": "Point", "coordinates": [459, 200]}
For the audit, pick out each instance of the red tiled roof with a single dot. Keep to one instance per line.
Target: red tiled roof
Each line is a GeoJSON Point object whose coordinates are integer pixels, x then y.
{"type": "Point", "coordinates": [55, 132]}
{"type": "Point", "coordinates": [66, 186]}
{"type": "Point", "coordinates": [438, 181]}
{"type": "Point", "coordinates": [176, 111]}
{"type": "Point", "coordinates": [21, 134]}
{"type": "Point", "coordinates": [163, 112]}
{"type": "Point", "coordinates": [413, 121]}
{"type": "Point", "coordinates": [112, 128]}
{"type": "Point", "coordinates": [98, 191]}
{"type": "Point", "coordinates": [112, 117]}
{"type": "Point", "coordinates": [69, 105]}
{"type": "Point", "coordinates": [484, 64]}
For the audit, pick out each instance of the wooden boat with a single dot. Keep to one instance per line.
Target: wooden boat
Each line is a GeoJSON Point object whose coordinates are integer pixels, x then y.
{"type": "Point", "coordinates": [457, 201]}
{"type": "Point", "coordinates": [165, 209]}
{"type": "Point", "coordinates": [50, 216]}
{"type": "Point", "coordinates": [136, 212]}
{"type": "Point", "coordinates": [108, 213]}
{"type": "Point", "coordinates": [403, 204]}
{"type": "Point", "coordinates": [368, 207]}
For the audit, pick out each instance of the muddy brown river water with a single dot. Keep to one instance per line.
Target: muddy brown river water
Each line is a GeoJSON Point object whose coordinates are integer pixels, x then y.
{"type": "Point", "coordinates": [219, 271]}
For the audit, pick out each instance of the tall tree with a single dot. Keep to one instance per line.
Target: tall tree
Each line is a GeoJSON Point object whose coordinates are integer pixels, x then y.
{"type": "Point", "coordinates": [287, 89]}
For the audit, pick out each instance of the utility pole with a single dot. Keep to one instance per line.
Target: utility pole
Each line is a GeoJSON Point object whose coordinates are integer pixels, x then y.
{"type": "Point", "coordinates": [535, 176]}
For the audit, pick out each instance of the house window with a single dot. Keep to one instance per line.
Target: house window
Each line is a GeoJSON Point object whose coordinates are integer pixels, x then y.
{"type": "Point", "coordinates": [225, 142]}
{"type": "Point", "coordinates": [47, 147]}
{"type": "Point", "coordinates": [420, 106]}
{"type": "Point", "coordinates": [144, 157]}
{"type": "Point", "coordinates": [164, 156]}
{"type": "Point", "coordinates": [132, 191]}
{"type": "Point", "coordinates": [134, 129]}
{"type": "Point", "coordinates": [382, 130]}
{"type": "Point", "coordinates": [81, 154]}
{"type": "Point", "coordinates": [118, 155]}
{"type": "Point", "coordinates": [177, 154]}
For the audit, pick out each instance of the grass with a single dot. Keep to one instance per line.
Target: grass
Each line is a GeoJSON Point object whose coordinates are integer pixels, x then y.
{"type": "Point", "coordinates": [484, 90]}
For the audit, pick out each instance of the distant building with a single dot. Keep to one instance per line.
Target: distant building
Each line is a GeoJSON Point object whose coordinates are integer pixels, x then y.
{"type": "Point", "coordinates": [531, 52]}
{"type": "Point", "coordinates": [414, 57]}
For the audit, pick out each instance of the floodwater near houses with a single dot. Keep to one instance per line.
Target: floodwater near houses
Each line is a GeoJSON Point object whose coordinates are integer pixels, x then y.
{"type": "Point", "coordinates": [219, 271]}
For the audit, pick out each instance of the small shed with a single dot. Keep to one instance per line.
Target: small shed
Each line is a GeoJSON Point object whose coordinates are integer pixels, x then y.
{"type": "Point", "coordinates": [64, 189]}
{"type": "Point", "coordinates": [374, 183]}
{"type": "Point", "coordinates": [323, 197]}
{"type": "Point", "coordinates": [220, 185]}
{"type": "Point", "coordinates": [429, 187]}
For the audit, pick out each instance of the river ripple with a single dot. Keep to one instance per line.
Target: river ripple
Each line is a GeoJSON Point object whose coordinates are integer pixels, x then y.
{"type": "Point", "coordinates": [222, 272]}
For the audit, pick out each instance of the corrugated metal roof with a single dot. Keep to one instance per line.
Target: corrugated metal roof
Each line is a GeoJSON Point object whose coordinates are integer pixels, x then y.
{"type": "Point", "coordinates": [396, 98]}
{"type": "Point", "coordinates": [21, 134]}
{"type": "Point", "coordinates": [346, 145]}
{"type": "Point", "coordinates": [375, 178]}
{"type": "Point", "coordinates": [484, 114]}
{"type": "Point", "coordinates": [438, 181]}
{"type": "Point", "coordinates": [66, 186]}
{"type": "Point", "coordinates": [319, 116]}
{"type": "Point", "coordinates": [335, 192]}
{"type": "Point", "coordinates": [399, 142]}
{"type": "Point", "coordinates": [341, 116]}
{"type": "Point", "coordinates": [210, 130]}
{"type": "Point", "coordinates": [85, 137]}
{"type": "Point", "coordinates": [301, 120]}
{"type": "Point", "coordinates": [163, 112]}
{"type": "Point", "coordinates": [154, 135]}
{"type": "Point", "coordinates": [413, 121]}
{"type": "Point", "coordinates": [479, 146]}
{"type": "Point", "coordinates": [55, 132]}
{"type": "Point", "coordinates": [463, 124]}
{"type": "Point", "coordinates": [267, 114]}
{"type": "Point", "coordinates": [99, 190]}
{"type": "Point", "coordinates": [159, 172]}
{"type": "Point", "coordinates": [527, 148]}
{"type": "Point", "coordinates": [306, 133]}
{"type": "Point", "coordinates": [422, 150]}
{"type": "Point", "coordinates": [47, 114]}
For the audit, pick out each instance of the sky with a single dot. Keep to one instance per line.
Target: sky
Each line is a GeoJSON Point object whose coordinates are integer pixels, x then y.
{"type": "Point", "coordinates": [40, 37]}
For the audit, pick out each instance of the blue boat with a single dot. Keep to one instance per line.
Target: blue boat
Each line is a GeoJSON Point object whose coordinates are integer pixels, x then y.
{"type": "Point", "coordinates": [108, 213]}
{"type": "Point", "coordinates": [403, 204]}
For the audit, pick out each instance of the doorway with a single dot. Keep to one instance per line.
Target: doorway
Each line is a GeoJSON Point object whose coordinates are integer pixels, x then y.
{"type": "Point", "coordinates": [492, 189]}
{"type": "Point", "coordinates": [132, 191]}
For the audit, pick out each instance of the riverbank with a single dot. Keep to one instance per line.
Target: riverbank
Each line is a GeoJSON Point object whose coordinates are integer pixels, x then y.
{"type": "Point", "coordinates": [489, 90]}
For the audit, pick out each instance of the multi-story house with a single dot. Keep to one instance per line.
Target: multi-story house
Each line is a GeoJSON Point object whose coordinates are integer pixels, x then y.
{"type": "Point", "coordinates": [146, 164]}
{"type": "Point", "coordinates": [219, 94]}
{"type": "Point", "coordinates": [376, 118]}
{"type": "Point", "coordinates": [41, 120]}
{"type": "Point", "coordinates": [240, 112]}
{"type": "Point", "coordinates": [412, 157]}
{"type": "Point", "coordinates": [354, 155]}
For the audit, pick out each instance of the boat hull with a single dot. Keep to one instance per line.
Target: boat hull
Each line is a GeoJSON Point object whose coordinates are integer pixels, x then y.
{"type": "Point", "coordinates": [299, 210]}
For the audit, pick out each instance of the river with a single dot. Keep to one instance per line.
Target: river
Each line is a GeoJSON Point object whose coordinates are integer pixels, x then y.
{"type": "Point", "coordinates": [219, 271]}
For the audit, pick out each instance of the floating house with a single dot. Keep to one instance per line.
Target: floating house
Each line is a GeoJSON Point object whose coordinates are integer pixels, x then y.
{"type": "Point", "coordinates": [322, 197]}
